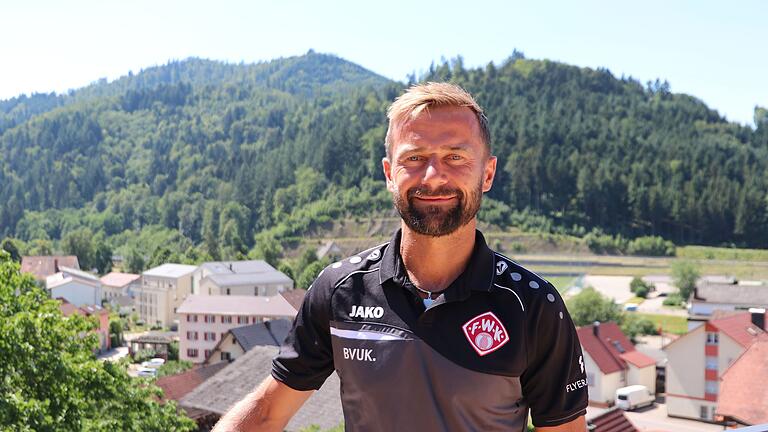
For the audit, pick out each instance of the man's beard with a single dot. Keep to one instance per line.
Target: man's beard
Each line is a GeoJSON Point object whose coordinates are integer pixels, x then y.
{"type": "Point", "coordinates": [434, 220]}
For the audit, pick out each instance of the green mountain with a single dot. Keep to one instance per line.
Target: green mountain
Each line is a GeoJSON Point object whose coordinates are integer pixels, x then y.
{"type": "Point", "coordinates": [202, 158]}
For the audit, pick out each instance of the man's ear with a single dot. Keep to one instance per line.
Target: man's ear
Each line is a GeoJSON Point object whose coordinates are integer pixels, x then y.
{"type": "Point", "coordinates": [386, 165]}
{"type": "Point", "coordinates": [489, 173]}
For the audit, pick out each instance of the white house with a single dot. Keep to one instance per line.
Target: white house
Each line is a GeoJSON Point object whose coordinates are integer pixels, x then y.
{"type": "Point", "coordinates": [240, 278]}
{"type": "Point", "coordinates": [115, 285]}
{"type": "Point", "coordinates": [75, 286]}
{"type": "Point", "coordinates": [162, 291]}
{"type": "Point", "coordinates": [723, 294]}
{"type": "Point", "coordinates": [697, 361]}
{"type": "Point", "coordinates": [611, 362]}
{"type": "Point", "coordinates": [205, 320]}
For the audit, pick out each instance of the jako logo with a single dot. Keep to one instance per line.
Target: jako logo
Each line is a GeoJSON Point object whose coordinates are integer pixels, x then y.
{"type": "Point", "coordinates": [366, 312]}
{"type": "Point", "coordinates": [485, 333]}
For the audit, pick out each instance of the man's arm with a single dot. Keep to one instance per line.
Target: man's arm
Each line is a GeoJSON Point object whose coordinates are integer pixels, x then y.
{"type": "Point", "coordinates": [578, 424]}
{"type": "Point", "coordinates": [268, 408]}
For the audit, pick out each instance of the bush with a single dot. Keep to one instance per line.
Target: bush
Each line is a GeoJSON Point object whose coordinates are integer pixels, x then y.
{"type": "Point", "coordinates": [632, 326]}
{"type": "Point", "coordinates": [651, 246]}
{"type": "Point", "coordinates": [173, 351]}
{"type": "Point", "coordinates": [173, 367]}
{"type": "Point", "coordinates": [673, 300]}
{"type": "Point", "coordinates": [601, 243]}
{"type": "Point", "coordinates": [589, 306]}
{"type": "Point", "coordinates": [143, 355]}
{"type": "Point", "coordinates": [685, 274]}
{"type": "Point", "coordinates": [640, 288]}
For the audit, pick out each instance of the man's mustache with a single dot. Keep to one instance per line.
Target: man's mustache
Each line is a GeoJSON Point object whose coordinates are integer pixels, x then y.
{"type": "Point", "coordinates": [443, 191]}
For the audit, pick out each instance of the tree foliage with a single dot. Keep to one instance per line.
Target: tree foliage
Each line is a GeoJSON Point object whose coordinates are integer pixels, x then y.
{"type": "Point", "coordinates": [589, 306]}
{"type": "Point", "coordinates": [51, 379]}
{"type": "Point", "coordinates": [205, 158]}
{"type": "Point", "coordinates": [685, 274]}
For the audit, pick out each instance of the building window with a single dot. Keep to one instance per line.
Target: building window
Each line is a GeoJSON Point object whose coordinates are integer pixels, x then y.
{"type": "Point", "coordinates": [710, 387]}
{"type": "Point", "coordinates": [191, 352]}
{"type": "Point", "coordinates": [210, 319]}
{"type": "Point", "coordinates": [225, 356]}
{"type": "Point", "coordinates": [712, 338]}
{"type": "Point", "coordinates": [242, 320]}
{"type": "Point", "coordinates": [704, 412]}
{"type": "Point", "coordinates": [222, 335]}
{"type": "Point", "coordinates": [226, 320]}
{"type": "Point", "coordinates": [207, 353]}
{"type": "Point", "coordinates": [209, 336]}
{"type": "Point", "coordinates": [711, 363]}
{"type": "Point", "coordinates": [228, 291]}
{"type": "Point", "coordinates": [191, 318]}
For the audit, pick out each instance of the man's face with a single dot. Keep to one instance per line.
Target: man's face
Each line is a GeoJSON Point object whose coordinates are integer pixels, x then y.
{"type": "Point", "coordinates": [438, 170]}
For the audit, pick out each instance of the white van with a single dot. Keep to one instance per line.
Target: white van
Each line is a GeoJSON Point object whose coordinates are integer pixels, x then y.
{"type": "Point", "coordinates": [634, 396]}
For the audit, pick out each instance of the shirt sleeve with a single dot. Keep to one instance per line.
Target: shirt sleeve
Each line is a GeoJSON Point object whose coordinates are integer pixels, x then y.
{"type": "Point", "coordinates": [306, 356]}
{"type": "Point", "coordinates": [554, 382]}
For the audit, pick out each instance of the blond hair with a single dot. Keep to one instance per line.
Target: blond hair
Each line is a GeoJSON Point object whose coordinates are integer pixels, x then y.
{"type": "Point", "coordinates": [420, 97]}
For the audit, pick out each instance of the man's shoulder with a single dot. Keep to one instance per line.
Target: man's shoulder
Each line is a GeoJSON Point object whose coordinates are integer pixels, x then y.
{"type": "Point", "coordinates": [366, 261]}
{"type": "Point", "coordinates": [528, 287]}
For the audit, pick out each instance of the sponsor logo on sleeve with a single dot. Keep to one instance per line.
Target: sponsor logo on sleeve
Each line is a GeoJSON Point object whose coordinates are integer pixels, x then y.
{"type": "Point", "coordinates": [485, 333]}
{"type": "Point", "coordinates": [501, 266]}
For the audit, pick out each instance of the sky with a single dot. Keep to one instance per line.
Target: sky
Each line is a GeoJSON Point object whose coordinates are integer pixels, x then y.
{"type": "Point", "coordinates": [716, 51]}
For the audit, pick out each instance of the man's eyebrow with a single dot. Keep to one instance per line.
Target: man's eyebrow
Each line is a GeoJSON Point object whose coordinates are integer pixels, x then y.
{"type": "Point", "coordinates": [410, 148]}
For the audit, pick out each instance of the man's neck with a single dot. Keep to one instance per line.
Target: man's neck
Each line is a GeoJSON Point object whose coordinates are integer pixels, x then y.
{"type": "Point", "coordinates": [433, 263]}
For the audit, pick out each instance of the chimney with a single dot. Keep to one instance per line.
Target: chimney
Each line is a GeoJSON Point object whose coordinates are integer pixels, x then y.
{"type": "Point", "coordinates": [758, 317]}
{"type": "Point", "coordinates": [596, 329]}
{"type": "Point", "coordinates": [55, 265]}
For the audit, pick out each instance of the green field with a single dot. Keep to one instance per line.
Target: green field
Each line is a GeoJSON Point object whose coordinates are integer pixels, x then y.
{"type": "Point", "coordinates": [669, 323]}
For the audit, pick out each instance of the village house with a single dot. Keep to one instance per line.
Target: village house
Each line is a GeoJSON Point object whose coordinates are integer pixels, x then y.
{"type": "Point", "coordinates": [724, 294]}
{"type": "Point", "coordinates": [214, 397]}
{"type": "Point", "coordinates": [240, 278]}
{"type": "Point", "coordinates": [611, 362]}
{"type": "Point", "coordinates": [743, 399]}
{"type": "Point", "coordinates": [207, 319]}
{"type": "Point", "coordinates": [102, 315]}
{"type": "Point", "coordinates": [161, 292]}
{"type": "Point", "coordinates": [76, 286]}
{"type": "Point", "coordinates": [116, 284]}
{"type": "Point", "coordinates": [41, 266]}
{"type": "Point", "coordinates": [698, 360]}
{"type": "Point", "coordinates": [240, 340]}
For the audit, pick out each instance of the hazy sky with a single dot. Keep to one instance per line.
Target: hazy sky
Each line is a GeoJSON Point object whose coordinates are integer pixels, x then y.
{"type": "Point", "coordinates": [714, 50]}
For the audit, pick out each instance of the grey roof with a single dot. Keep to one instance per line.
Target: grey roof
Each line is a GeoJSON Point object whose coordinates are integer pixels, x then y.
{"type": "Point", "coordinates": [270, 333]}
{"type": "Point", "coordinates": [170, 270]}
{"type": "Point", "coordinates": [272, 277]}
{"type": "Point", "coordinates": [224, 267]}
{"type": "Point", "coordinates": [220, 392]}
{"type": "Point", "coordinates": [78, 273]}
{"type": "Point", "coordinates": [745, 294]}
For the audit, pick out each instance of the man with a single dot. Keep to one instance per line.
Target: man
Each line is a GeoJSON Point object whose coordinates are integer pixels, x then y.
{"type": "Point", "coordinates": [431, 331]}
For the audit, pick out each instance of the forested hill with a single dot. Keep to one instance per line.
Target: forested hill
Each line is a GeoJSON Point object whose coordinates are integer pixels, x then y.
{"type": "Point", "coordinates": [211, 160]}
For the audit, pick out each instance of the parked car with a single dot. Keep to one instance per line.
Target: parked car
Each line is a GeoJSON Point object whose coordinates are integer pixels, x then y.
{"type": "Point", "coordinates": [634, 396]}
{"type": "Point", "coordinates": [153, 363]}
{"type": "Point", "coordinates": [147, 372]}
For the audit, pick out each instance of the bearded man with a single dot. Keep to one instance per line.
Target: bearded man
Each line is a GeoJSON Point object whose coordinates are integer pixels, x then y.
{"type": "Point", "coordinates": [431, 331]}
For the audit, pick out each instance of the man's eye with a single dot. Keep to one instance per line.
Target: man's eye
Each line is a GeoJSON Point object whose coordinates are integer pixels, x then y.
{"type": "Point", "coordinates": [414, 158]}
{"type": "Point", "coordinates": [455, 157]}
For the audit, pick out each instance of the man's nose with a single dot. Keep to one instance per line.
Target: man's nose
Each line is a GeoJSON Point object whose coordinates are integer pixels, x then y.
{"type": "Point", "coordinates": [434, 174]}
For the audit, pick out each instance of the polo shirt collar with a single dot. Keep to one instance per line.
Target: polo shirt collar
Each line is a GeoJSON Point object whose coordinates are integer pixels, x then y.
{"type": "Point", "coordinates": [478, 275]}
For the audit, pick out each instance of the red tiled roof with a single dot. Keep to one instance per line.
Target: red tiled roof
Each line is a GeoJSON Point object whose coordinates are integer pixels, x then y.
{"type": "Point", "coordinates": [118, 279]}
{"type": "Point", "coordinates": [294, 297]}
{"type": "Point", "coordinates": [744, 387]}
{"type": "Point", "coordinates": [739, 327]}
{"type": "Point", "coordinates": [612, 421]}
{"type": "Point", "coordinates": [43, 266]}
{"type": "Point", "coordinates": [637, 359]}
{"type": "Point", "coordinates": [177, 386]}
{"type": "Point", "coordinates": [67, 308]}
{"type": "Point", "coordinates": [605, 352]}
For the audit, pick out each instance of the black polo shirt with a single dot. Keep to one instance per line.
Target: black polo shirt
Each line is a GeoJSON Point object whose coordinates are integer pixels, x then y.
{"type": "Point", "coordinates": [496, 343]}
